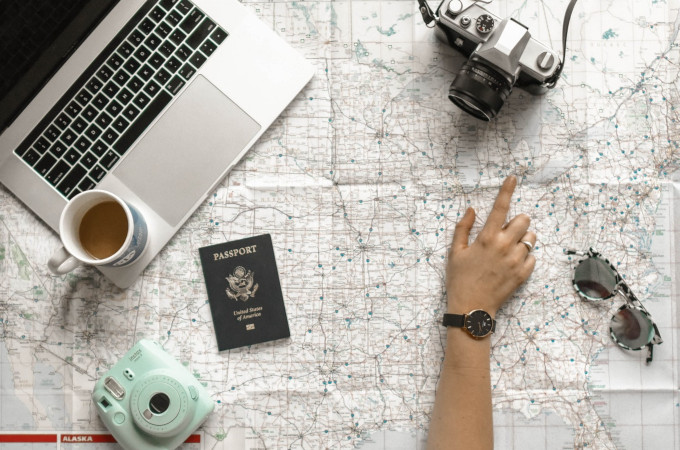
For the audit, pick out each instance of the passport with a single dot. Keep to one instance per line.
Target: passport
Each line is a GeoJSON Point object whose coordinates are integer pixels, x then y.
{"type": "Point", "coordinates": [244, 292]}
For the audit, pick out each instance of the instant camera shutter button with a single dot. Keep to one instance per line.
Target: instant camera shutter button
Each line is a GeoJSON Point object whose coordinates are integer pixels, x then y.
{"type": "Point", "coordinates": [465, 21]}
{"type": "Point", "coordinates": [119, 418]}
{"type": "Point", "coordinates": [545, 60]}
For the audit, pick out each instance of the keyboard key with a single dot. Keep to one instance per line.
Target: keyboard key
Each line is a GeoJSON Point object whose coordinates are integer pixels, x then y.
{"type": "Point", "coordinates": [131, 65]}
{"type": "Point", "coordinates": [184, 7]}
{"type": "Point", "coordinates": [135, 84]}
{"type": "Point", "coordinates": [145, 72]}
{"type": "Point", "coordinates": [219, 35]}
{"type": "Point", "coordinates": [109, 160]}
{"type": "Point", "coordinates": [88, 160]}
{"type": "Point", "coordinates": [187, 71]}
{"type": "Point", "coordinates": [173, 64]}
{"type": "Point", "coordinates": [104, 73]}
{"type": "Point", "coordinates": [86, 185]}
{"type": "Point", "coordinates": [114, 108]}
{"type": "Point", "coordinates": [173, 18]}
{"type": "Point", "coordinates": [201, 33]}
{"type": "Point", "coordinates": [142, 53]}
{"type": "Point", "coordinates": [93, 132]}
{"type": "Point", "coordinates": [84, 97]}
{"type": "Point", "coordinates": [45, 164]}
{"type": "Point", "coordinates": [57, 149]}
{"type": "Point", "coordinates": [99, 148]}
{"type": "Point", "coordinates": [177, 37]}
{"type": "Point", "coordinates": [89, 113]}
{"type": "Point", "coordinates": [111, 89]}
{"type": "Point", "coordinates": [100, 101]}
{"type": "Point", "coordinates": [175, 84]}
{"type": "Point", "coordinates": [136, 38]}
{"type": "Point", "coordinates": [145, 118]}
{"type": "Point", "coordinates": [68, 137]}
{"type": "Point", "coordinates": [131, 112]}
{"type": "Point", "coordinates": [125, 50]}
{"type": "Point", "coordinates": [152, 41]}
{"type": "Point", "coordinates": [125, 96]}
{"type": "Point", "coordinates": [141, 100]}
{"type": "Point", "coordinates": [82, 144]}
{"type": "Point", "coordinates": [151, 88]}
{"type": "Point", "coordinates": [168, 4]}
{"type": "Point", "coordinates": [57, 173]}
{"type": "Point", "coordinates": [103, 120]}
{"type": "Point", "coordinates": [162, 76]}
{"type": "Point", "coordinates": [183, 52]}
{"type": "Point", "coordinates": [110, 136]}
{"type": "Point", "coordinates": [120, 124]}
{"type": "Point", "coordinates": [79, 125]}
{"type": "Point", "coordinates": [115, 61]}
{"type": "Point", "coordinates": [167, 49]}
{"type": "Point", "coordinates": [191, 21]}
{"type": "Point", "coordinates": [156, 60]}
{"type": "Point", "coordinates": [157, 14]}
{"type": "Point", "coordinates": [72, 156]}
{"type": "Point", "coordinates": [208, 48]}
{"type": "Point", "coordinates": [52, 133]}
{"type": "Point", "coordinates": [163, 29]}
{"type": "Point", "coordinates": [94, 85]}
{"type": "Point", "coordinates": [121, 77]}
{"type": "Point", "coordinates": [41, 145]}
{"type": "Point", "coordinates": [63, 121]}
{"type": "Point", "coordinates": [73, 193]}
{"type": "Point", "coordinates": [73, 109]}
{"type": "Point", "coordinates": [197, 59]}
{"type": "Point", "coordinates": [147, 25]}
{"type": "Point", "coordinates": [31, 157]}
{"type": "Point", "coordinates": [71, 180]}
{"type": "Point", "coordinates": [97, 173]}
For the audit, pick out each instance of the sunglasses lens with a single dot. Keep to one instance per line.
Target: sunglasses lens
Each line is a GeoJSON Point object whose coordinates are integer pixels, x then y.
{"type": "Point", "coordinates": [632, 328]}
{"type": "Point", "coordinates": [594, 278]}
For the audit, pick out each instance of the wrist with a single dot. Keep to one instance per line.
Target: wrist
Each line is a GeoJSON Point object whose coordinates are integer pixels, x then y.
{"type": "Point", "coordinates": [457, 305]}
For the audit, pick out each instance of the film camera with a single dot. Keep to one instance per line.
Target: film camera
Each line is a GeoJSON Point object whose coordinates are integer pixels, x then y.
{"type": "Point", "coordinates": [149, 401]}
{"type": "Point", "coordinates": [502, 54]}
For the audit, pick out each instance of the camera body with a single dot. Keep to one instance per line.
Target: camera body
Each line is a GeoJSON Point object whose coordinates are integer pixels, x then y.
{"type": "Point", "coordinates": [501, 54]}
{"type": "Point", "coordinates": [149, 401]}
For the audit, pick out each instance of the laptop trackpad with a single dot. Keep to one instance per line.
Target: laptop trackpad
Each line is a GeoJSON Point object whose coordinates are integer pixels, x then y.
{"type": "Point", "coordinates": [187, 150]}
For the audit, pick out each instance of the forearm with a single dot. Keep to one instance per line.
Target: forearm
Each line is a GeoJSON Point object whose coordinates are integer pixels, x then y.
{"type": "Point", "coordinates": [461, 417]}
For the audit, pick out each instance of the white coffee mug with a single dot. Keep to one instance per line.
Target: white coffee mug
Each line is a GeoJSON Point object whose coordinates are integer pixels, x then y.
{"type": "Point", "coordinates": [119, 226]}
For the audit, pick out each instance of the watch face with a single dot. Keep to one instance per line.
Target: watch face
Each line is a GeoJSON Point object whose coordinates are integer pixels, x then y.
{"type": "Point", "coordinates": [478, 323]}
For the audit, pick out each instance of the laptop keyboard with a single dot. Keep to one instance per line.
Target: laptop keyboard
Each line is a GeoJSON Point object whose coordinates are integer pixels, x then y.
{"type": "Point", "coordinates": [96, 122]}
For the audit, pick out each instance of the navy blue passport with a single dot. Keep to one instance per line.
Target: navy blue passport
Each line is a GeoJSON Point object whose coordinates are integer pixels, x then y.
{"type": "Point", "coordinates": [244, 292]}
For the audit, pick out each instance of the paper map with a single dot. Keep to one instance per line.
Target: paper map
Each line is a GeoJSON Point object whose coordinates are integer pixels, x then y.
{"type": "Point", "coordinates": [360, 183]}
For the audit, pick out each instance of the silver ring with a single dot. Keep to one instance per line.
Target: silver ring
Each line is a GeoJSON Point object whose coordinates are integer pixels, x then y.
{"type": "Point", "coordinates": [529, 245]}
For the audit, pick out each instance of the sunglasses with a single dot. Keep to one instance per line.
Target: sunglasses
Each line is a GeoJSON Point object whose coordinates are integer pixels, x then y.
{"type": "Point", "coordinates": [631, 327]}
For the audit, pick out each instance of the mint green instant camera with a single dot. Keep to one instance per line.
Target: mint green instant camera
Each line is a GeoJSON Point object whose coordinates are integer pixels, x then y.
{"type": "Point", "coordinates": [149, 401]}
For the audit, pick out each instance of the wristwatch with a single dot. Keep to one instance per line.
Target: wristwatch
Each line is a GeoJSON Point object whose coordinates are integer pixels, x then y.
{"type": "Point", "coordinates": [477, 323]}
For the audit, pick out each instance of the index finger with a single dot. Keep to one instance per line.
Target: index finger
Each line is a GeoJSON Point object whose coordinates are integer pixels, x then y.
{"type": "Point", "coordinates": [500, 209]}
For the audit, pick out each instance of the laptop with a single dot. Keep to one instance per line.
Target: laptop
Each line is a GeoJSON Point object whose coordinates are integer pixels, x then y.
{"type": "Point", "coordinates": [154, 101]}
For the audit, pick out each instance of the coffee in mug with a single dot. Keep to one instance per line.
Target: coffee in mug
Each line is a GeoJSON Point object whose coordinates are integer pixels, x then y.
{"type": "Point", "coordinates": [98, 228]}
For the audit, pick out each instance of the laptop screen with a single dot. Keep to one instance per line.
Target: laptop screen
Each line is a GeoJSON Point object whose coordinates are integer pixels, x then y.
{"type": "Point", "coordinates": [36, 37]}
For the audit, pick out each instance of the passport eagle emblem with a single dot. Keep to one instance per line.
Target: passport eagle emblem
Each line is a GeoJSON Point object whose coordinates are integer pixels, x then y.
{"type": "Point", "coordinates": [242, 284]}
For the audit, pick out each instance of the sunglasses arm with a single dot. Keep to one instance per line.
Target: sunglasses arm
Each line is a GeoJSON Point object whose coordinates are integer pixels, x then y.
{"type": "Point", "coordinates": [650, 352]}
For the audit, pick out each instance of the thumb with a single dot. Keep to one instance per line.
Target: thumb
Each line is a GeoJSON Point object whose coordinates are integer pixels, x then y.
{"type": "Point", "coordinates": [461, 234]}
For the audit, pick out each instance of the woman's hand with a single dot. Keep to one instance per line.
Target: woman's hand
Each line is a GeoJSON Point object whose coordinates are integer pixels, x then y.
{"type": "Point", "coordinates": [484, 274]}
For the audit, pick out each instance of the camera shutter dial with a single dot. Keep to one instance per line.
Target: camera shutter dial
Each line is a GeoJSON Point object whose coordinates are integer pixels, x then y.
{"type": "Point", "coordinates": [485, 24]}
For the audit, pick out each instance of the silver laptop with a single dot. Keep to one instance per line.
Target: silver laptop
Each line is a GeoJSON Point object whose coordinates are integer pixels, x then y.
{"type": "Point", "coordinates": [153, 100]}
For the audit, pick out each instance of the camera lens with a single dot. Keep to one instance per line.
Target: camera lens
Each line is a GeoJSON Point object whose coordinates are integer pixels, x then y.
{"type": "Point", "coordinates": [159, 403]}
{"type": "Point", "coordinates": [480, 90]}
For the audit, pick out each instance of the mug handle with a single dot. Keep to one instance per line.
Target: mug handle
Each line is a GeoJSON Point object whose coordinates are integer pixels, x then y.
{"type": "Point", "coordinates": [62, 262]}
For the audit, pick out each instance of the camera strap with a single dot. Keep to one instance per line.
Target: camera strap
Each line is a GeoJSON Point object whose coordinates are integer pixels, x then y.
{"type": "Point", "coordinates": [427, 13]}
{"type": "Point", "coordinates": [565, 29]}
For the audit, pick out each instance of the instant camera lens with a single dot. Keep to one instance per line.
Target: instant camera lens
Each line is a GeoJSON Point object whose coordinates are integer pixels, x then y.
{"type": "Point", "coordinates": [159, 403]}
{"type": "Point", "coordinates": [480, 90]}
{"type": "Point", "coordinates": [631, 328]}
{"type": "Point", "coordinates": [595, 279]}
